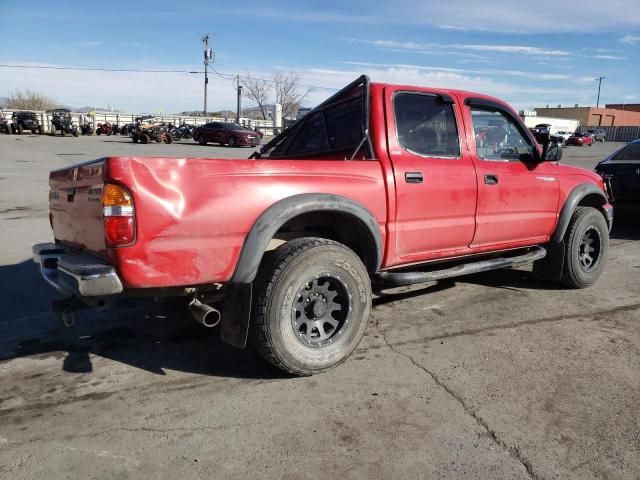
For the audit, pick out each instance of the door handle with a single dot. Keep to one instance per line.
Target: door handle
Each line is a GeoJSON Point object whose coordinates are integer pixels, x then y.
{"type": "Point", "coordinates": [491, 179]}
{"type": "Point", "coordinates": [413, 177]}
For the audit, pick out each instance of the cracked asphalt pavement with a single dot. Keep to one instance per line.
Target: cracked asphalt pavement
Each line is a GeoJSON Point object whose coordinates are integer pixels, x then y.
{"type": "Point", "coordinates": [491, 376]}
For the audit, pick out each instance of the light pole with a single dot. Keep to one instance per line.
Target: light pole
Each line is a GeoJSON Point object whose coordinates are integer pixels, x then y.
{"type": "Point", "coordinates": [599, 80]}
{"type": "Point", "coordinates": [239, 98]}
{"type": "Point", "coordinates": [207, 59]}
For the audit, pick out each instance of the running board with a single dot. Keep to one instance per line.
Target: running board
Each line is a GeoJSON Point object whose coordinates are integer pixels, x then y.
{"type": "Point", "coordinates": [399, 279]}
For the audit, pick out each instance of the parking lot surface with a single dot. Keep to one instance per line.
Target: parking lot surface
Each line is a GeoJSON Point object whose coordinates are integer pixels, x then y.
{"type": "Point", "coordinates": [491, 376]}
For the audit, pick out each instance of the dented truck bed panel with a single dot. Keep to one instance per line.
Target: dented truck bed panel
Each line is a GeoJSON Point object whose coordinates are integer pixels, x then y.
{"type": "Point", "coordinates": [193, 214]}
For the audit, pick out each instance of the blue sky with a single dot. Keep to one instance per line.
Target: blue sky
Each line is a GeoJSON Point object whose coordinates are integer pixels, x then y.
{"type": "Point", "coordinates": [528, 53]}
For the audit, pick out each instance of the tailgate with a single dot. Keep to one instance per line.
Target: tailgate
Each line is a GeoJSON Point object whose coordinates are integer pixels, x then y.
{"type": "Point", "coordinates": [75, 202]}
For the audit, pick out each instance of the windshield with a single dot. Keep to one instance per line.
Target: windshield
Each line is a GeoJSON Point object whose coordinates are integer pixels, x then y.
{"type": "Point", "coordinates": [234, 126]}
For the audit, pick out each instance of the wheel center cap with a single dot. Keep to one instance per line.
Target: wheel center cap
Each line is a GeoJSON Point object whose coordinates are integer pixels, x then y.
{"type": "Point", "coordinates": [319, 308]}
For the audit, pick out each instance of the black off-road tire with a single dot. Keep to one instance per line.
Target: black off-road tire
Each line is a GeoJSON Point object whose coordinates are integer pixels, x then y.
{"type": "Point", "coordinates": [587, 230]}
{"type": "Point", "coordinates": [321, 270]}
{"type": "Point", "coordinates": [20, 129]}
{"type": "Point", "coordinates": [144, 138]}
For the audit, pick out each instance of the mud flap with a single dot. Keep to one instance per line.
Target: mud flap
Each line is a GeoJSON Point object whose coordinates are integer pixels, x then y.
{"type": "Point", "coordinates": [236, 313]}
{"type": "Point", "coordinates": [550, 267]}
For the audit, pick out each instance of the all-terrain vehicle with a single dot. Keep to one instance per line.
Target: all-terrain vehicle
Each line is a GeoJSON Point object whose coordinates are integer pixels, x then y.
{"type": "Point", "coordinates": [5, 123]}
{"type": "Point", "coordinates": [61, 120]}
{"type": "Point", "coordinates": [147, 131]}
{"type": "Point", "coordinates": [22, 121]}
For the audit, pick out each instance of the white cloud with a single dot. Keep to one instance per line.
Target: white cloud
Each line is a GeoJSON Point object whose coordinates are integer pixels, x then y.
{"type": "Point", "coordinates": [498, 16]}
{"type": "Point", "coordinates": [630, 39]}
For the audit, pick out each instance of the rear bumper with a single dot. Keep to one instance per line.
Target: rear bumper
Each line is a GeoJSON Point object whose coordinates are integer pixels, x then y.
{"type": "Point", "coordinates": [74, 273]}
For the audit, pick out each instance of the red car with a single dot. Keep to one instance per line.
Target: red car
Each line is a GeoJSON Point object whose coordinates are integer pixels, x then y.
{"type": "Point", "coordinates": [226, 133]}
{"type": "Point", "coordinates": [579, 139]}
{"type": "Point", "coordinates": [381, 184]}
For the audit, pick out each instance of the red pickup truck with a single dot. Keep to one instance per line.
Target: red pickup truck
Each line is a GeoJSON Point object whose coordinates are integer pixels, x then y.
{"type": "Point", "coordinates": [380, 185]}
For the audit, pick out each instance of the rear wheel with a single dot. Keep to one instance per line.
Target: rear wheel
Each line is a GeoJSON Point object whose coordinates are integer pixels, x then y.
{"type": "Point", "coordinates": [586, 247]}
{"type": "Point", "coordinates": [145, 138]}
{"type": "Point", "coordinates": [20, 129]}
{"type": "Point", "coordinates": [168, 138]}
{"type": "Point", "coordinates": [202, 140]}
{"type": "Point", "coordinates": [313, 299]}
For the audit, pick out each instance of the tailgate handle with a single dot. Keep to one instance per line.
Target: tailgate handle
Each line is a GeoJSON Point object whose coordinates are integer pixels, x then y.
{"type": "Point", "coordinates": [413, 177]}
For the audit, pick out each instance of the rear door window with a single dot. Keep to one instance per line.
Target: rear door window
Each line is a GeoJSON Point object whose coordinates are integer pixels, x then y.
{"type": "Point", "coordinates": [426, 125]}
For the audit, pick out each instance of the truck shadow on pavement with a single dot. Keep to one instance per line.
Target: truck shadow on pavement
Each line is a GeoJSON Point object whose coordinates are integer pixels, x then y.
{"type": "Point", "coordinates": [140, 333]}
{"type": "Point", "coordinates": [155, 337]}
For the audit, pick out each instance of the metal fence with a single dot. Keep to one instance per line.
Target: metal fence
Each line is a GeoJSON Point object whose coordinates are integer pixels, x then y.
{"type": "Point", "coordinates": [616, 134]}
{"type": "Point", "coordinates": [95, 118]}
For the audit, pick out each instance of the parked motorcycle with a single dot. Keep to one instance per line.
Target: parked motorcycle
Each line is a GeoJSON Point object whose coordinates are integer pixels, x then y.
{"type": "Point", "coordinates": [183, 131]}
{"type": "Point", "coordinates": [104, 129]}
{"type": "Point", "coordinates": [86, 129]}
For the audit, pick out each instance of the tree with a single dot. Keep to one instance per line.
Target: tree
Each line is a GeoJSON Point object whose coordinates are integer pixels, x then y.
{"type": "Point", "coordinates": [29, 100]}
{"type": "Point", "coordinates": [281, 88]}
{"type": "Point", "coordinates": [287, 92]}
{"type": "Point", "coordinates": [257, 90]}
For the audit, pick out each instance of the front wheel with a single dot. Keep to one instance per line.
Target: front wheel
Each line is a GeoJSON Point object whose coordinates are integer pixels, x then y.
{"type": "Point", "coordinates": [312, 303]}
{"type": "Point", "coordinates": [232, 142]}
{"type": "Point", "coordinates": [586, 247]}
{"type": "Point", "coordinates": [144, 138]}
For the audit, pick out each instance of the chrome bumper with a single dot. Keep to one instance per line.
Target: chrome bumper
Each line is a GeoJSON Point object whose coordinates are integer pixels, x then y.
{"type": "Point", "coordinates": [74, 273]}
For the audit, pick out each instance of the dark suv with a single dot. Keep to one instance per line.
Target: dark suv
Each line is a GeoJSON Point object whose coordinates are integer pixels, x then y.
{"type": "Point", "coordinates": [598, 135]}
{"type": "Point", "coordinates": [26, 121]}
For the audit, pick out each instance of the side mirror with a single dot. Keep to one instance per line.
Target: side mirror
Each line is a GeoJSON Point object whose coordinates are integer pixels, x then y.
{"type": "Point", "coordinates": [552, 152]}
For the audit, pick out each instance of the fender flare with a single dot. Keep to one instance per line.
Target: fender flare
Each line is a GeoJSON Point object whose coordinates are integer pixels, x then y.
{"type": "Point", "coordinates": [577, 194]}
{"type": "Point", "coordinates": [270, 221]}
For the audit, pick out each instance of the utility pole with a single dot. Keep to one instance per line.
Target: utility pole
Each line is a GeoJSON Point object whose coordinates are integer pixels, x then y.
{"type": "Point", "coordinates": [599, 79]}
{"type": "Point", "coordinates": [239, 98]}
{"type": "Point", "coordinates": [207, 59]}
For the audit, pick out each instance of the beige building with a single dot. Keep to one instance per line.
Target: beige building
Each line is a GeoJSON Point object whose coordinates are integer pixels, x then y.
{"type": "Point", "coordinates": [594, 117]}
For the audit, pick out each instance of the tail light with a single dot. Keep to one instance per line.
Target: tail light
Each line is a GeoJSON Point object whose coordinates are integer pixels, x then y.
{"type": "Point", "coordinates": [119, 215]}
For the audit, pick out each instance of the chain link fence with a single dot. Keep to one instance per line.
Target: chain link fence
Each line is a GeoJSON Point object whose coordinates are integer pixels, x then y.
{"type": "Point", "coordinates": [616, 134]}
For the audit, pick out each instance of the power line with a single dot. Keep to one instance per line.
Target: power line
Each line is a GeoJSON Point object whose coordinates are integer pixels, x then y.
{"type": "Point", "coordinates": [91, 69]}
{"type": "Point", "coordinates": [138, 70]}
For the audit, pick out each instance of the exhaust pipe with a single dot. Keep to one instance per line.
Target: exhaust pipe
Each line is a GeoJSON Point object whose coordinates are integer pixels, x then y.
{"type": "Point", "coordinates": [205, 314]}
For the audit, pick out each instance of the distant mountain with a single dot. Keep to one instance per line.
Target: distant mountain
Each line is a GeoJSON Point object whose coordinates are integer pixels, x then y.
{"type": "Point", "coordinates": [93, 109]}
